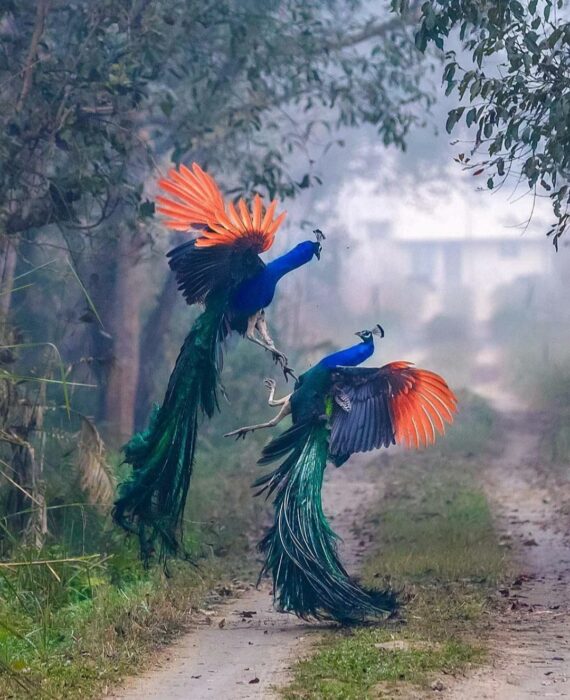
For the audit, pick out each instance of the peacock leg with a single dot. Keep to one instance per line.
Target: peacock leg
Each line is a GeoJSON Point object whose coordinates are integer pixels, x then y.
{"type": "Point", "coordinates": [271, 384]}
{"type": "Point", "coordinates": [263, 331]}
{"type": "Point", "coordinates": [251, 331]}
{"type": "Point", "coordinates": [257, 325]}
{"type": "Point", "coordinates": [242, 432]}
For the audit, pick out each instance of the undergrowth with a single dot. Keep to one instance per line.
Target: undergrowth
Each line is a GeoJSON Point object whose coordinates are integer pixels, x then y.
{"type": "Point", "coordinates": [81, 613]}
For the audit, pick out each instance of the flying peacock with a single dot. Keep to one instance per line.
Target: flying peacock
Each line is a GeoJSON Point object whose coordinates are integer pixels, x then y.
{"type": "Point", "coordinates": [337, 409]}
{"type": "Point", "coordinates": [221, 269]}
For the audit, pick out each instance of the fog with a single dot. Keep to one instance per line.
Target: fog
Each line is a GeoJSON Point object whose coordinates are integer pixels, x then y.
{"type": "Point", "coordinates": [461, 277]}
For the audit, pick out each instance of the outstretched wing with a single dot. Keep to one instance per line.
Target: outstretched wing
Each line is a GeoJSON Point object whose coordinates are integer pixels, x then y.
{"type": "Point", "coordinates": [200, 271]}
{"type": "Point", "coordinates": [395, 404]}
{"type": "Point", "coordinates": [230, 238]}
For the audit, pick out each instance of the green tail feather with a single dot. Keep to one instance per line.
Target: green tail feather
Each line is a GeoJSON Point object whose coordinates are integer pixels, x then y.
{"type": "Point", "coordinates": [151, 501]}
{"type": "Point", "coordinates": [300, 549]}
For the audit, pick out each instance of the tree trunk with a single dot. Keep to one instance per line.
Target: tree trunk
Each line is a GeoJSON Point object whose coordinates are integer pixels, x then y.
{"type": "Point", "coordinates": [123, 319]}
{"type": "Point", "coordinates": [8, 258]}
{"type": "Point", "coordinates": [154, 339]}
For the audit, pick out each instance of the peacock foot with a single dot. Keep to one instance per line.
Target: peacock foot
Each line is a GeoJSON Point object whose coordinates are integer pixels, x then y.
{"type": "Point", "coordinates": [270, 384]}
{"type": "Point", "coordinates": [239, 433]}
{"type": "Point", "coordinates": [288, 372]}
{"type": "Point", "coordinates": [279, 358]}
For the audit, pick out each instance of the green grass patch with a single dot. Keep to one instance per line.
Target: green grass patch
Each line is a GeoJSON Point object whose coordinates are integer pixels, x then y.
{"type": "Point", "coordinates": [360, 666]}
{"type": "Point", "coordinates": [69, 630]}
{"type": "Point", "coordinates": [76, 650]}
{"type": "Point", "coordinates": [446, 536]}
{"type": "Point", "coordinates": [435, 543]}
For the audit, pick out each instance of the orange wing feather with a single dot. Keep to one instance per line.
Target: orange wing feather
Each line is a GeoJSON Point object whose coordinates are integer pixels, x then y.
{"type": "Point", "coordinates": [195, 202]}
{"type": "Point", "coordinates": [420, 403]}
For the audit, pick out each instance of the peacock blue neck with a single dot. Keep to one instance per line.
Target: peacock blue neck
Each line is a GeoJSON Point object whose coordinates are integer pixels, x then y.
{"type": "Point", "coordinates": [349, 357]}
{"type": "Point", "coordinates": [297, 256]}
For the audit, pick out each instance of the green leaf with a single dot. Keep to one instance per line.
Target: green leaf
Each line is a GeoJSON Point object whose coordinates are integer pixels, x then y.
{"type": "Point", "coordinates": [453, 117]}
{"type": "Point", "coordinates": [475, 89]}
{"type": "Point", "coordinates": [554, 38]}
{"type": "Point", "coordinates": [530, 41]}
{"type": "Point", "coordinates": [517, 9]}
{"type": "Point", "coordinates": [420, 39]}
{"type": "Point", "coordinates": [450, 87]}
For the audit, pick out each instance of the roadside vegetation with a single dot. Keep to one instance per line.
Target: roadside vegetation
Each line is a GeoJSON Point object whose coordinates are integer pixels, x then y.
{"type": "Point", "coordinates": [533, 332]}
{"type": "Point", "coordinates": [434, 543]}
{"type": "Point", "coordinates": [80, 613]}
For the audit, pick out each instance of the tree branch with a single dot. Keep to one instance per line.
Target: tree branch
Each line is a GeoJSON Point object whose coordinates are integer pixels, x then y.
{"type": "Point", "coordinates": [39, 24]}
{"type": "Point", "coordinates": [372, 30]}
{"type": "Point", "coordinates": [375, 30]}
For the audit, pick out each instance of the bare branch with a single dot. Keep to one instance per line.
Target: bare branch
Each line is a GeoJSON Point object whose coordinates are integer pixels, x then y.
{"type": "Point", "coordinates": [373, 30]}
{"type": "Point", "coordinates": [41, 13]}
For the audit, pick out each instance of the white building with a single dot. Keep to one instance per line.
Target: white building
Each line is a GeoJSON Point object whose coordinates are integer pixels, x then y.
{"type": "Point", "coordinates": [445, 266]}
{"type": "Point", "coordinates": [421, 245]}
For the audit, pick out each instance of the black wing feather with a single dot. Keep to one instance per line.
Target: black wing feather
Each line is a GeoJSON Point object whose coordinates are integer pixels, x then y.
{"type": "Point", "coordinates": [368, 425]}
{"type": "Point", "coordinates": [200, 271]}
{"type": "Point", "coordinates": [395, 403]}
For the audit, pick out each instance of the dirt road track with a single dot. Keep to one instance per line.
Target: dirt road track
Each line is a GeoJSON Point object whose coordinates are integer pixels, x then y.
{"type": "Point", "coordinates": [531, 640]}
{"type": "Point", "coordinates": [249, 654]}
{"type": "Point", "coordinates": [234, 655]}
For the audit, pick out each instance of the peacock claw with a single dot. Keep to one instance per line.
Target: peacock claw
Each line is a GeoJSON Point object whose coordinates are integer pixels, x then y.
{"type": "Point", "coordinates": [239, 433]}
{"type": "Point", "coordinates": [288, 372]}
{"type": "Point", "coordinates": [279, 358]}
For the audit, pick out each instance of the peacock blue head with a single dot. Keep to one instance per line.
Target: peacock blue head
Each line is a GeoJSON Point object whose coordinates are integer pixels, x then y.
{"type": "Point", "coordinates": [307, 249]}
{"type": "Point", "coordinates": [368, 335]}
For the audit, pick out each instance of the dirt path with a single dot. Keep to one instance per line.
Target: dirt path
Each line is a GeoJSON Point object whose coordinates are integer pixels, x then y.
{"type": "Point", "coordinates": [531, 640]}
{"type": "Point", "coordinates": [243, 648]}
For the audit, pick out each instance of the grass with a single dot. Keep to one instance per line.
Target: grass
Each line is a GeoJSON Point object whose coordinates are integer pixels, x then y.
{"type": "Point", "coordinates": [80, 632]}
{"type": "Point", "coordinates": [75, 627]}
{"type": "Point", "coordinates": [78, 649]}
{"type": "Point", "coordinates": [437, 546]}
{"type": "Point", "coordinates": [358, 667]}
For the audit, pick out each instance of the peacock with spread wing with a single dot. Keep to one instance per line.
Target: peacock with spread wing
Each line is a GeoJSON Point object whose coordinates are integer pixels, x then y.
{"type": "Point", "coordinates": [337, 409]}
